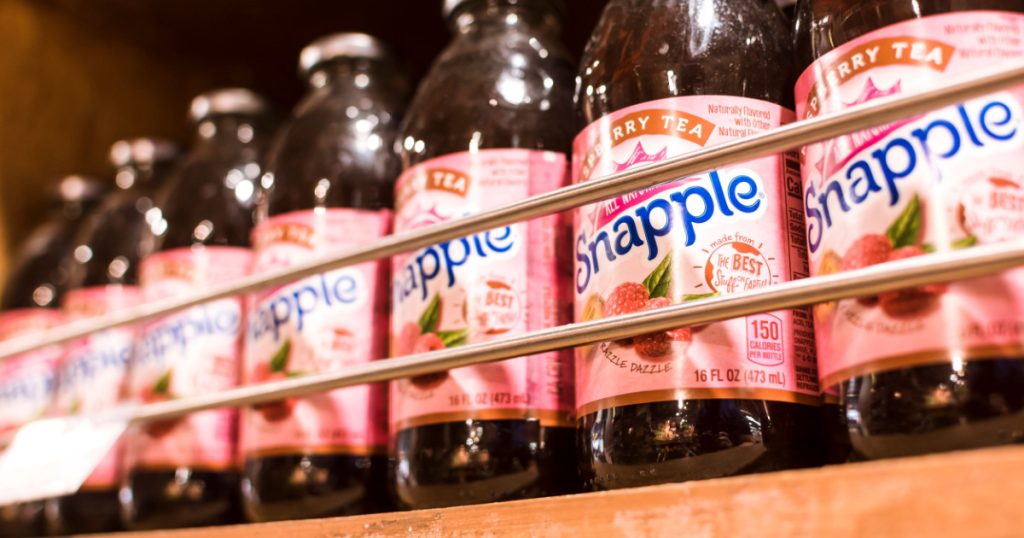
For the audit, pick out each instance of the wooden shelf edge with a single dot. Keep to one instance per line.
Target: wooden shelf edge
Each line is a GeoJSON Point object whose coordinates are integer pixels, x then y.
{"type": "Point", "coordinates": [973, 493]}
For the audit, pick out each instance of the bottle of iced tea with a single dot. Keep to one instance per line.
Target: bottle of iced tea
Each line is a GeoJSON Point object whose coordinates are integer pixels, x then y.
{"type": "Point", "coordinates": [184, 472]}
{"type": "Point", "coordinates": [103, 278]}
{"type": "Point", "coordinates": [658, 80]}
{"type": "Point", "coordinates": [491, 124]}
{"type": "Point", "coordinates": [327, 187]}
{"type": "Point", "coordinates": [30, 305]}
{"type": "Point", "coordinates": [936, 367]}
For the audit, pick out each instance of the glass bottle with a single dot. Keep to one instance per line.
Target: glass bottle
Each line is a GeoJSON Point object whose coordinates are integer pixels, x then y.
{"type": "Point", "coordinates": [938, 367]}
{"type": "Point", "coordinates": [184, 472]}
{"type": "Point", "coordinates": [491, 124]}
{"type": "Point", "coordinates": [660, 79]}
{"type": "Point", "coordinates": [103, 278]}
{"type": "Point", "coordinates": [327, 187]}
{"type": "Point", "coordinates": [30, 304]}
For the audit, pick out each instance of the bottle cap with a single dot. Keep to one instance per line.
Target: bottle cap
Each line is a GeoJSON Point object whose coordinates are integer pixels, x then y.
{"type": "Point", "coordinates": [449, 6]}
{"type": "Point", "coordinates": [341, 45]}
{"type": "Point", "coordinates": [226, 101]}
{"type": "Point", "coordinates": [78, 189]}
{"type": "Point", "coordinates": [142, 151]}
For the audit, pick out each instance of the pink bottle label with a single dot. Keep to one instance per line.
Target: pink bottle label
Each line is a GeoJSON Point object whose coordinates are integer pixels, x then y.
{"type": "Point", "coordinates": [189, 353]}
{"type": "Point", "coordinates": [483, 287]}
{"type": "Point", "coordinates": [937, 182]}
{"type": "Point", "coordinates": [319, 324]}
{"type": "Point", "coordinates": [93, 374]}
{"type": "Point", "coordinates": [731, 230]}
{"type": "Point", "coordinates": [27, 381]}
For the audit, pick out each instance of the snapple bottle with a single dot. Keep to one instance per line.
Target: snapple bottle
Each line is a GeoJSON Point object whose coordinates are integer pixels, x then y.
{"type": "Point", "coordinates": [184, 472]}
{"type": "Point", "coordinates": [659, 80]}
{"type": "Point", "coordinates": [327, 188]}
{"type": "Point", "coordinates": [30, 305]}
{"type": "Point", "coordinates": [936, 367]}
{"type": "Point", "coordinates": [490, 125]}
{"type": "Point", "coordinates": [103, 279]}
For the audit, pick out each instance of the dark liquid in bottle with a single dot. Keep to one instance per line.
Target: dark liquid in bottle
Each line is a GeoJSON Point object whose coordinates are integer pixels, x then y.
{"type": "Point", "coordinates": [205, 201]}
{"type": "Point", "coordinates": [893, 413]}
{"type": "Point", "coordinates": [342, 132]}
{"type": "Point", "coordinates": [36, 280]}
{"type": "Point", "coordinates": [459, 106]}
{"type": "Point", "coordinates": [114, 234]}
{"type": "Point", "coordinates": [642, 51]}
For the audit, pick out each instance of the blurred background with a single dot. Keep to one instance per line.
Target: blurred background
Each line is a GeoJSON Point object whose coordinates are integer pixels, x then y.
{"type": "Point", "coordinates": [76, 75]}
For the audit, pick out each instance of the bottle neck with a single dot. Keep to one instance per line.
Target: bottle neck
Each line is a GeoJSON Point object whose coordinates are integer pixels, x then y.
{"type": "Point", "coordinates": [230, 128]}
{"type": "Point", "coordinates": [531, 16]}
{"type": "Point", "coordinates": [142, 174]}
{"type": "Point", "coordinates": [349, 73]}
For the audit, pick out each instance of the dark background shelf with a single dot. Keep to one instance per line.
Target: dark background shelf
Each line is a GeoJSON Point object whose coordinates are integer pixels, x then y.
{"type": "Point", "coordinates": [75, 75]}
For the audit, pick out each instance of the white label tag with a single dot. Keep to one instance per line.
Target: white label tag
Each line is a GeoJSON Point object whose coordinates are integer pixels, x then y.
{"type": "Point", "coordinates": [53, 457]}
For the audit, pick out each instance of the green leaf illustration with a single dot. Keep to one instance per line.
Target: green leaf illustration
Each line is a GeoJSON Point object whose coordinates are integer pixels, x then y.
{"type": "Point", "coordinates": [658, 282]}
{"type": "Point", "coordinates": [163, 384]}
{"type": "Point", "coordinates": [699, 296]}
{"type": "Point", "coordinates": [431, 315]}
{"type": "Point", "coordinates": [965, 242]}
{"type": "Point", "coordinates": [905, 230]}
{"type": "Point", "coordinates": [279, 362]}
{"type": "Point", "coordinates": [453, 338]}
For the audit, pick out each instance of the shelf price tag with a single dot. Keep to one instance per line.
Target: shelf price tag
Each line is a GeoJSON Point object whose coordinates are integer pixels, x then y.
{"type": "Point", "coordinates": [54, 456]}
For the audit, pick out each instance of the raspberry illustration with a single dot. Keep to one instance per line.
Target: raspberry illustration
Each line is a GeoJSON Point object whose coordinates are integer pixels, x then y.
{"type": "Point", "coordinates": [907, 303]}
{"type": "Point", "coordinates": [910, 252]}
{"type": "Point", "coordinates": [425, 344]}
{"type": "Point", "coordinates": [150, 395]}
{"type": "Point", "coordinates": [653, 346]}
{"type": "Point", "coordinates": [626, 298]}
{"type": "Point", "coordinates": [868, 250]}
{"type": "Point", "coordinates": [160, 428]}
{"type": "Point", "coordinates": [262, 373]}
{"type": "Point", "coordinates": [276, 411]}
{"type": "Point", "coordinates": [406, 340]}
{"type": "Point", "coordinates": [681, 334]}
{"type": "Point", "coordinates": [910, 302]}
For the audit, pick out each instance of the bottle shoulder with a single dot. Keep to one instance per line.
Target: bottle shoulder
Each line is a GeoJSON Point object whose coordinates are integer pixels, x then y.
{"type": "Point", "coordinates": [640, 53]}
{"type": "Point", "coordinates": [108, 246]}
{"type": "Point", "coordinates": [492, 90]}
{"type": "Point", "coordinates": [210, 197]}
{"type": "Point", "coordinates": [335, 150]}
{"type": "Point", "coordinates": [832, 23]}
{"type": "Point", "coordinates": [38, 263]}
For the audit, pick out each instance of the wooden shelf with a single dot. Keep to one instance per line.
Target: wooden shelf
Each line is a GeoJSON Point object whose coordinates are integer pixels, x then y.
{"type": "Point", "coordinates": [975, 493]}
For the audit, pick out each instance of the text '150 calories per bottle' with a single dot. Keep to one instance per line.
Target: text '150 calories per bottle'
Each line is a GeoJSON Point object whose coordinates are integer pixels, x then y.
{"type": "Point", "coordinates": [659, 80]}
{"type": "Point", "coordinates": [327, 188]}
{"type": "Point", "coordinates": [936, 367]}
{"type": "Point", "coordinates": [490, 125]}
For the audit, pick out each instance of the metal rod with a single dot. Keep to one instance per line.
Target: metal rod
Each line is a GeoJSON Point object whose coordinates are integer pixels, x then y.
{"type": "Point", "coordinates": [927, 269]}
{"type": "Point", "coordinates": [783, 138]}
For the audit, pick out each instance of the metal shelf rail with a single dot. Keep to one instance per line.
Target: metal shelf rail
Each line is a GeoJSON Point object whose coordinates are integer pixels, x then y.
{"type": "Point", "coordinates": [930, 268]}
